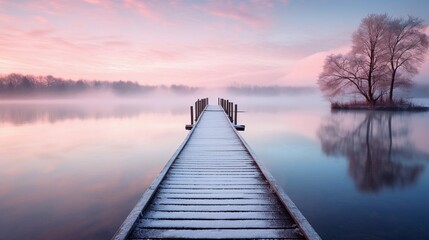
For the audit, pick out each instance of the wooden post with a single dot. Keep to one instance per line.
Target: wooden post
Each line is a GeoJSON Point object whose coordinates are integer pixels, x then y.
{"type": "Point", "coordinates": [231, 109]}
{"type": "Point", "coordinates": [192, 115]}
{"type": "Point", "coordinates": [235, 114]}
{"type": "Point", "coordinates": [196, 110]}
{"type": "Point", "coordinates": [199, 108]}
{"type": "Point", "coordinates": [227, 106]}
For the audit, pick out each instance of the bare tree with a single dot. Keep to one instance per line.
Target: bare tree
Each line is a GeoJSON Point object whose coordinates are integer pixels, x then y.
{"type": "Point", "coordinates": [368, 46]}
{"type": "Point", "coordinates": [362, 69]}
{"type": "Point", "coordinates": [385, 55]}
{"type": "Point", "coordinates": [342, 75]}
{"type": "Point", "coordinates": [407, 46]}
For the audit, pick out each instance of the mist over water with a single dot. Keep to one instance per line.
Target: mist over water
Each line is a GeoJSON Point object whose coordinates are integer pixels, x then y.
{"type": "Point", "coordinates": [74, 168]}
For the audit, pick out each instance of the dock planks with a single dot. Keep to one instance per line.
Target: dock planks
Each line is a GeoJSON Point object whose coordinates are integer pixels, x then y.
{"type": "Point", "coordinates": [214, 188]}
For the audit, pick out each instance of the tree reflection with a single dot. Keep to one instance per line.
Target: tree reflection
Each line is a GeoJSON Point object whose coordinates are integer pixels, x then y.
{"type": "Point", "coordinates": [377, 147]}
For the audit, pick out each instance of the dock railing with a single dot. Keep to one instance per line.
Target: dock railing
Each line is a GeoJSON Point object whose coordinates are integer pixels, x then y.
{"type": "Point", "coordinates": [200, 105]}
{"type": "Point", "coordinates": [231, 111]}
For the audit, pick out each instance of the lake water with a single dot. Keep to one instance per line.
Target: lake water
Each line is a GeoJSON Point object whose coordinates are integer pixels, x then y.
{"type": "Point", "coordinates": [74, 170]}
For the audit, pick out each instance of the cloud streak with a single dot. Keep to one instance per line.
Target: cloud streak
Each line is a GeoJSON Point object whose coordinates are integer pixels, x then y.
{"type": "Point", "coordinates": [252, 13]}
{"type": "Point", "coordinates": [198, 43]}
{"type": "Point", "coordinates": [238, 14]}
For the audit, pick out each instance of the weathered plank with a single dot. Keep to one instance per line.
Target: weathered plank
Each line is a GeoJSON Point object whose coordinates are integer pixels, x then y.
{"type": "Point", "coordinates": [215, 168]}
{"type": "Point", "coordinates": [143, 233]}
{"type": "Point", "coordinates": [218, 181]}
{"type": "Point", "coordinates": [214, 178]}
{"type": "Point", "coordinates": [225, 190]}
{"type": "Point", "coordinates": [212, 186]}
{"type": "Point", "coordinates": [211, 170]}
{"type": "Point", "coordinates": [214, 215]}
{"type": "Point", "coordinates": [216, 224]}
{"type": "Point", "coordinates": [217, 208]}
{"type": "Point", "coordinates": [216, 165]}
{"type": "Point", "coordinates": [211, 174]}
{"type": "Point", "coordinates": [216, 201]}
{"type": "Point", "coordinates": [261, 191]}
{"type": "Point", "coordinates": [239, 195]}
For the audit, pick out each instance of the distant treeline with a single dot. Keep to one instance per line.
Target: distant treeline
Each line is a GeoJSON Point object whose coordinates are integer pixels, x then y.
{"type": "Point", "coordinates": [29, 85]}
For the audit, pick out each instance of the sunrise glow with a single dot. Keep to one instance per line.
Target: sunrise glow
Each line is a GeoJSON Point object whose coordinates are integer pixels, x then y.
{"type": "Point", "coordinates": [198, 43]}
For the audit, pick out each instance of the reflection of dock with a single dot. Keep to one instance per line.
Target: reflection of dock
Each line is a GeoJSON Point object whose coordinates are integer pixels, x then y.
{"type": "Point", "coordinates": [214, 187]}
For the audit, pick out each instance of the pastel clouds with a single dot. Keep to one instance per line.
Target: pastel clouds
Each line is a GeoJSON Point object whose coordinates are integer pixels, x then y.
{"type": "Point", "coordinates": [210, 63]}
{"type": "Point", "coordinates": [201, 43]}
{"type": "Point", "coordinates": [141, 51]}
{"type": "Point", "coordinates": [94, 1]}
{"type": "Point", "coordinates": [143, 8]}
{"type": "Point", "coordinates": [240, 11]}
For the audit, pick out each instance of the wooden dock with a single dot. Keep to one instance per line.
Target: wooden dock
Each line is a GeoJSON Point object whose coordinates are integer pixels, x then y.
{"type": "Point", "coordinates": [214, 187]}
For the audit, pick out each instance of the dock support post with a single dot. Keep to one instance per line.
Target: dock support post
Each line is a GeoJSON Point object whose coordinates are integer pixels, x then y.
{"type": "Point", "coordinates": [235, 114]}
{"type": "Point", "coordinates": [196, 110]}
{"type": "Point", "coordinates": [192, 115]}
{"type": "Point", "coordinates": [231, 109]}
{"type": "Point", "coordinates": [232, 112]}
{"type": "Point", "coordinates": [199, 108]}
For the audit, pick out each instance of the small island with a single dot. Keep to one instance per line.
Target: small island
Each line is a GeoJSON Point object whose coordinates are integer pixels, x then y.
{"type": "Point", "coordinates": [375, 75]}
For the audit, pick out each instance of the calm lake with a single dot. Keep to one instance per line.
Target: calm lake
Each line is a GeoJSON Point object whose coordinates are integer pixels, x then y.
{"type": "Point", "coordinates": [75, 169]}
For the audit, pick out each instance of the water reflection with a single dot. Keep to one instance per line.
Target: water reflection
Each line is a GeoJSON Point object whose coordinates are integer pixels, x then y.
{"type": "Point", "coordinates": [71, 171]}
{"type": "Point", "coordinates": [26, 113]}
{"type": "Point", "coordinates": [377, 146]}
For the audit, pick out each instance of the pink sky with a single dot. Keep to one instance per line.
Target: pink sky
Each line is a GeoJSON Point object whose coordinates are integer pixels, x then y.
{"type": "Point", "coordinates": [199, 43]}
